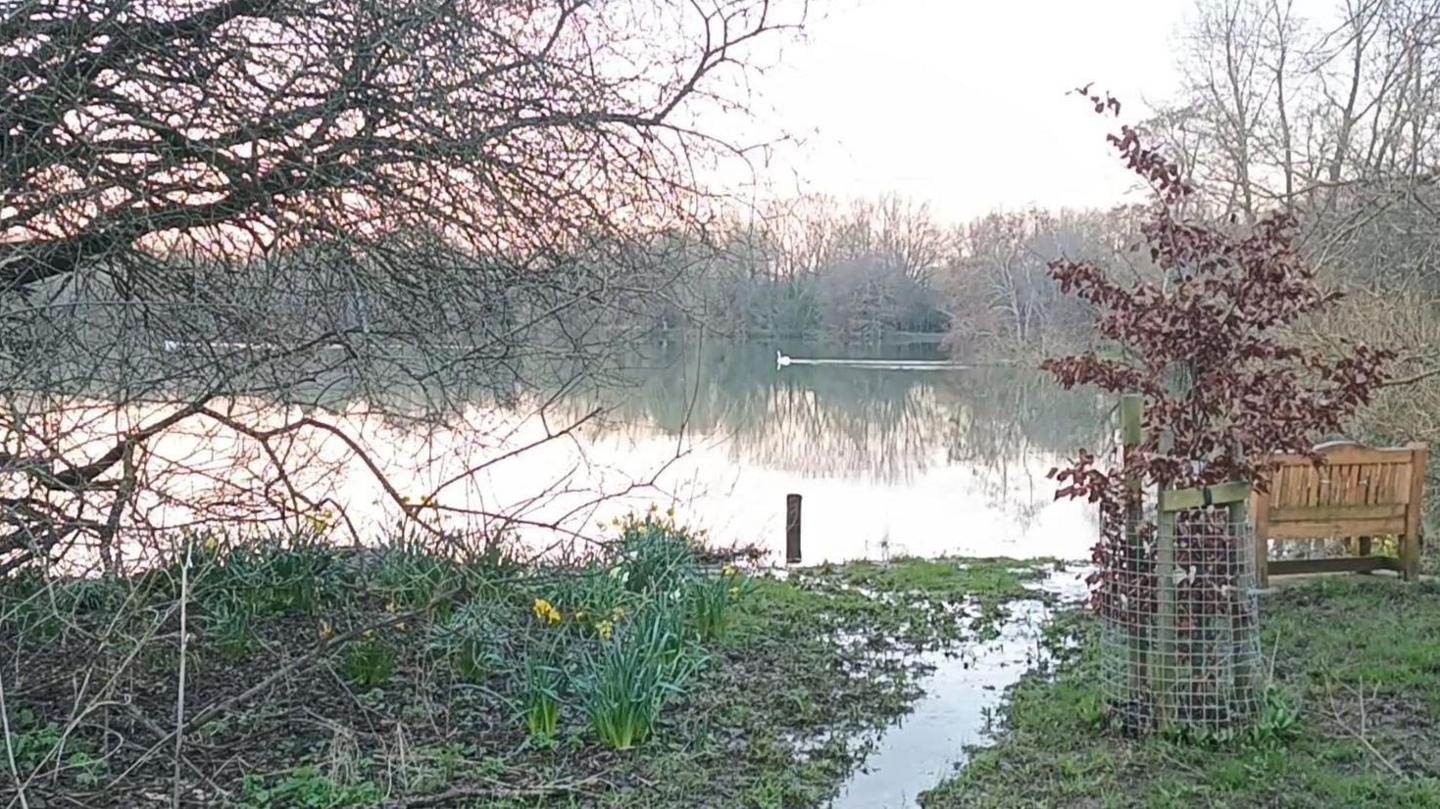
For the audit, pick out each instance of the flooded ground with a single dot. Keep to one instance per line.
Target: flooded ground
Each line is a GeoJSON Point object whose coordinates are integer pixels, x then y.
{"type": "Point", "coordinates": [961, 698]}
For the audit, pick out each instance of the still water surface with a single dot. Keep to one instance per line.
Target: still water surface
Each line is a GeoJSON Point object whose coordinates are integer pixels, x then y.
{"type": "Point", "coordinates": [889, 461]}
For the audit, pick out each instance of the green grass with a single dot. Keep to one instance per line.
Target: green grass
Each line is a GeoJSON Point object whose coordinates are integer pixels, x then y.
{"type": "Point", "coordinates": [653, 679]}
{"type": "Point", "coordinates": [997, 578]}
{"type": "Point", "coordinates": [1357, 660]}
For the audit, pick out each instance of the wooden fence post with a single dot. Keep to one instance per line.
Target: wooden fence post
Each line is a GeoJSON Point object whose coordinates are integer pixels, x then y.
{"type": "Point", "coordinates": [1164, 657]}
{"type": "Point", "coordinates": [1132, 417]}
{"type": "Point", "coordinates": [1244, 675]}
{"type": "Point", "coordinates": [1262, 540]}
{"type": "Point", "coordinates": [792, 529]}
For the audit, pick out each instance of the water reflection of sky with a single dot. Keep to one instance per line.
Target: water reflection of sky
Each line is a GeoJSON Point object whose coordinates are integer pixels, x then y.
{"type": "Point", "coordinates": [896, 462]}
{"type": "Point", "coordinates": [887, 462]}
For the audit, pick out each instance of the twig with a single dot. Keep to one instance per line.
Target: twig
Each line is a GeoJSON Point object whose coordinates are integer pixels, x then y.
{"type": "Point", "coordinates": [1410, 380]}
{"type": "Point", "coordinates": [180, 686]}
{"type": "Point", "coordinates": [9, 748]}
{"type": "Point", "coordinates": [497, 789]}
{"type": "Point", "coordinates": [1361, 735]}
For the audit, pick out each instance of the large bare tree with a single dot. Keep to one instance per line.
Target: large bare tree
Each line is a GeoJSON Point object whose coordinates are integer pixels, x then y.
{"type": "Point", "coordinates": [217, 214]}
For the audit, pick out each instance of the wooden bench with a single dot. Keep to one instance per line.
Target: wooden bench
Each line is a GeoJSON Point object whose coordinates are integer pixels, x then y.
{"type": "Point", "coordinates": [1357, 494]}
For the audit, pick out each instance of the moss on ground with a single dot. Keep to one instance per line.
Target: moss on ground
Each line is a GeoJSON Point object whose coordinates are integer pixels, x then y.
{"type": "Point", "coordinates": [1357, 659]}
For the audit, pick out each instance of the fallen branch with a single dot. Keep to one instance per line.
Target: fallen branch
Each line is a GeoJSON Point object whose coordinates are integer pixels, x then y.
{"type": "Point", "coordinates": [496, 790]}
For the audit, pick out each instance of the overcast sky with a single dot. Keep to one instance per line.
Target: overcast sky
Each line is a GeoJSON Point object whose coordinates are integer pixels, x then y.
{"type": "Point", "coordinates": [962, 102]}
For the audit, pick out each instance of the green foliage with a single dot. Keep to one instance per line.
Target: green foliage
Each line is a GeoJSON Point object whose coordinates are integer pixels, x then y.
{"type": "Point", "coordinates": [369, 661]}
{"type": "Point", "coordinates": [410, 579]}
{"type": "Point", "coordinates": [227, 623]}
{"type": "Point", "coordinates": [33, 743]}
{"type": "Point", "coordinates": [643, 667]}
{"type": "Point", "coordinates": [306, 788]}
{"type": "Point", "coordinates": [709, 600]}
{"type": "Point", "coordinates": [34, 604]}
{"type": "Point", "coordinates": [592, 594]}
{"type": "Point", "coordinates": [540, 704]}
{"type": "Point", "coordinates": [1341, 649]}
{"type": "Point", "coordinates": [654, 554]}
{"type": "Point", "coordinates": [981, 578]}
{"type": "Point", "coordinates": [37, 745]}
{"type": "Point", "coordinates": [1278, 722]}
{"type": "Point", "coordinates": [472, 660]}
{"type": "Point", "coordinates": [271, 577]}
{"type": "Point", "coordinates": [638, 662]}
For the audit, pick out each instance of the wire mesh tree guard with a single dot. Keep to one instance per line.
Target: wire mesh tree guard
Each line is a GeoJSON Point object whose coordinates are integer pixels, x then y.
{"type": "Point", "coordinates": [1180, 640]}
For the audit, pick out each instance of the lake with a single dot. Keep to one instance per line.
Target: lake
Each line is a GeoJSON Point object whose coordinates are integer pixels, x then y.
{"type": "Point", "coordinates": [910, 460]}
{"type": "Point", "coordinates": [888, 462]}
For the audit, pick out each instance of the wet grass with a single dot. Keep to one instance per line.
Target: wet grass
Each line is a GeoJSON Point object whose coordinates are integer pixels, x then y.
{"type": "Point", "coordinates": [1357, 661]}
{"type": "Point", "coordinates": [646, 677]}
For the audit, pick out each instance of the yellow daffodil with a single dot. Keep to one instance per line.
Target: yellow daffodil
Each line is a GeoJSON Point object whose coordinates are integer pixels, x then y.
{"type": "Point", "coordinates": [547, 612]}
{"type": "Point", "coordinates": [617, 613]}
{"type": "Point", "coordinates": [606, 630]}
{"type": "Point", "coordinates": [734, 592]}
{"type": "Point", "coordinates": [731, 570]}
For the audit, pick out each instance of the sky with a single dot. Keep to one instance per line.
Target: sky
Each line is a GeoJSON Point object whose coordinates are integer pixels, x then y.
{"type": "Point", "coordinates": [961, 103]}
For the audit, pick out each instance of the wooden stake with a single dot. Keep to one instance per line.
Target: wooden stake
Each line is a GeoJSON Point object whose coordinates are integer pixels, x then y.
{"type": "Point", "coordinates": [792, 529]}
{"type": "Point", "coordinates": [1164, 658]}
{"type": "Point", "coordinates": [1132, 417]}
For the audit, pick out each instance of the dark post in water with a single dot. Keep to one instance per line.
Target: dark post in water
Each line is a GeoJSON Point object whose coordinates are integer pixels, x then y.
{"type": "Point", "coordinates": [792, 529]}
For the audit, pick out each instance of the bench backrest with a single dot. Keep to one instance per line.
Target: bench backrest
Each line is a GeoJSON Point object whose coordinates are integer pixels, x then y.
{"type": "Point", "coordinates": [1357, 491]}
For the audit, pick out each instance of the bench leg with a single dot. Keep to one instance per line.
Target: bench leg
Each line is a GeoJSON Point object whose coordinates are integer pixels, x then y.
{"type": "Point", "coordinates": [1363, 547]}
{"type": "Point", "coordinates": [1410, 556]}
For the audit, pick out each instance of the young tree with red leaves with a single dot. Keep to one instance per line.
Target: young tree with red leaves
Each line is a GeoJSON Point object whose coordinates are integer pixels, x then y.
{"type": "Point", "coordinates": [1224, 389]}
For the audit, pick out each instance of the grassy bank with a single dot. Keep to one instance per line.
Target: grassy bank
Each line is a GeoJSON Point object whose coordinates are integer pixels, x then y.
{"type": "Point", "coordinates": [1353, 719]}
{"type": "Point", "coordinates": [648, 676]}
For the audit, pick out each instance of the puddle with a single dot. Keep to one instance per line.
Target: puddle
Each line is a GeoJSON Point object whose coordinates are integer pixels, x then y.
{"type": "Point", "coordinates": [961, 694]}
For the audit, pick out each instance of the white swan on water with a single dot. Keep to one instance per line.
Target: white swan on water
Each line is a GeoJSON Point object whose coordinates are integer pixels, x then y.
{"type": "Point", "coordinates": [781, 360]}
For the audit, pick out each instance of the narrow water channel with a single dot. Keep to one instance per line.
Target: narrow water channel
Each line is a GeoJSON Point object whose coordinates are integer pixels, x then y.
{"type": "Point", "coordinates": [928, 744]}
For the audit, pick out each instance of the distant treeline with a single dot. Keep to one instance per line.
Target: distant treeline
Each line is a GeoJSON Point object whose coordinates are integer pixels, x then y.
{"type": "Point", "coordinates": [868, 271]}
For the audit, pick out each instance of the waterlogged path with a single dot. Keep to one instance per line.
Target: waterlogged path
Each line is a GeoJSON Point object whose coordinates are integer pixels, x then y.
{"type": "Point", "coordinates": [926, 746]}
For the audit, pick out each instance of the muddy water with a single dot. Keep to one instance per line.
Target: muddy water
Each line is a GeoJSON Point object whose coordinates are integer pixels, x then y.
{"type": "Point", "coordinates": [926, 746]}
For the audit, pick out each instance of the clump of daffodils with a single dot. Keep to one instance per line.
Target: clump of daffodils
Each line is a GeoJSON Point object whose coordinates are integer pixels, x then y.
{"type": "Point", "coordinates": [547, 612]}
{"type": "Point", "coordinates": [322, 522]}
{"type": "Point", "coordinates": [605, 629]}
